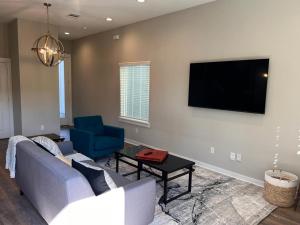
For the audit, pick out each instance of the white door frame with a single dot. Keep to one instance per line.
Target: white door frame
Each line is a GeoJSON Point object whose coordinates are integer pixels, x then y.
{"type": "Point", "coordinates": [10, 98]}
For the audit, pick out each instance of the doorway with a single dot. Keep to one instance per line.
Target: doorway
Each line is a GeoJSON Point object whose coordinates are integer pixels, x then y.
{"type": "Point", "coordinates": [65, 92]}
{"type": "Point", "coordinates": [6, 107]}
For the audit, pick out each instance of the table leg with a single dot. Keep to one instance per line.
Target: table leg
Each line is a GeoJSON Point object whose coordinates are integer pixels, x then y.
{"type": "Point", "coordinates": [190, 179]}
{"type": "Point", "coordinates": [140, 166]}
{"type": "Point", "coordinates": [117, 162]}
{"type": "Point", "coordinates": [165, 180]}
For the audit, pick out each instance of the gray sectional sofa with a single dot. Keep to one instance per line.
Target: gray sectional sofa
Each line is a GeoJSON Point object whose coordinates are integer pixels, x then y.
{"type": "Point", "coordinates": [62, 195]}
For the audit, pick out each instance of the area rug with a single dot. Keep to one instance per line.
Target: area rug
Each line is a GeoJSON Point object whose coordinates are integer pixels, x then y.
{"type": "Point", "coordinates": [215, 199]}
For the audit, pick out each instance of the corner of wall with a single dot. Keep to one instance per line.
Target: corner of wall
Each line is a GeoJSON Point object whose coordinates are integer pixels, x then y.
{"type": "Point", "coordinates": [15, 71]}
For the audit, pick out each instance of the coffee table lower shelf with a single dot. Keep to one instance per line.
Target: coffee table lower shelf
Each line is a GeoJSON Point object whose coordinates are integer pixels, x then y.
{"type": "Point", "coordinates": [164, 176]}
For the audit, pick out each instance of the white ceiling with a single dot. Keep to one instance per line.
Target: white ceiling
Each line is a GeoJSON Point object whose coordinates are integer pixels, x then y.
{"type": "Point", "coordinates": [92, 13]}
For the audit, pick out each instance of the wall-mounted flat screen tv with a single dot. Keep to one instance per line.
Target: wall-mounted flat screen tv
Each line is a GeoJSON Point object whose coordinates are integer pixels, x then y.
{"type": "Point", "coordinates": [229, 85]}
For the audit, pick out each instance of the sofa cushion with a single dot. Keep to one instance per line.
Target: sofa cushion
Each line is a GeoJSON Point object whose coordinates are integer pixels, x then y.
{"type": "Point", "coordinates": [118, 179]}
{"type": "Point", "coordinates": [64, 159]}
{"type": "Point", "coordinates": [98, 178]}
{"type": "Point", "coordinates": [47, 144]}
{"type": "Point", "coordinates": [104, 142]}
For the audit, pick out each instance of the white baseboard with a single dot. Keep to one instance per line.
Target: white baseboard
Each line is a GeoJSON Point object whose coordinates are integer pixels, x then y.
{"type": "Point", "coordinates": [207, 166]}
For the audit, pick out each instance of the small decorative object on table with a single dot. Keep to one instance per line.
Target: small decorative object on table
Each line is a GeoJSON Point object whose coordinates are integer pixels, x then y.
{"type": "Point", "coordinates": [152, 155]}
{"type": "Point", "coordinates": [280, 188]}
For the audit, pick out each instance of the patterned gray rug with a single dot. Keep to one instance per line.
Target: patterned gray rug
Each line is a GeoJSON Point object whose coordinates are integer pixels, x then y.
{"type": "Point", "coordinates": [215, 200]}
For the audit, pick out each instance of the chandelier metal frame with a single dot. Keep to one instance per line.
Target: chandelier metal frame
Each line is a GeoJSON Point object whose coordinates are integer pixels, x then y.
{"type": "Point", "coordinates": [48, 55]}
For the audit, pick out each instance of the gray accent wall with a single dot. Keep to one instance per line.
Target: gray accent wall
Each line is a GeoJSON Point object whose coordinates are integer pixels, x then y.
{"type": "Point", "coordinates": [67, 46]}
{"type": "Point", "coordinates": [35, 86]}
{"type": "Point", "coordinates": [15, 74]}
{"type": "Point", "coordinates": [4, 50]}
{"type": "Point", "coordinates": [225, 29]}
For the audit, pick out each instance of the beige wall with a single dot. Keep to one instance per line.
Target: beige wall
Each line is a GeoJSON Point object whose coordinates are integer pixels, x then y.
{"type": "Point", "coordinates": [35, 86]}
{"type": "Point", "coordinates": [4, 51]}
{"type": "Point", "coordinates": [226, 29]}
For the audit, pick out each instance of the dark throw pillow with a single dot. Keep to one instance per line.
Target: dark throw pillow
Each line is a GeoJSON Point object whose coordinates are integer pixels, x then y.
{"type": "Point", "coordinates": [96, 178]}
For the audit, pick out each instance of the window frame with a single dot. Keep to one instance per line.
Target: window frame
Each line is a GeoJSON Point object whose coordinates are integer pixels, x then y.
{"type": "Point", "coordinates": [129, 120]}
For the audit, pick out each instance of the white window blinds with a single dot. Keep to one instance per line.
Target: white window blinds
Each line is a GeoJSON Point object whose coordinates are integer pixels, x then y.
{"type": "Point", "coordinates": [134, 90]}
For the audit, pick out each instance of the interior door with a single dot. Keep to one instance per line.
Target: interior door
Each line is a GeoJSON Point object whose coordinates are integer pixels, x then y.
{"type": "Point", "coordinates": [5, 100]}
{"type": "Point", "coordinates": [65, 92]}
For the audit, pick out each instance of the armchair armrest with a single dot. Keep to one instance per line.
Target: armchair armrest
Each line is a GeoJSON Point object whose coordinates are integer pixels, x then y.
{"type": "Point", "coordinates": [140, 202]}
{"type": "Point", "coordinates": [82, 140]}
{"type": "Point", "coordinates": [114, 131]}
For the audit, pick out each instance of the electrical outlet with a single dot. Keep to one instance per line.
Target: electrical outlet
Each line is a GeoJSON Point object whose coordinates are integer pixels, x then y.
{"type": "Point", "coordinates": [212, 150]}
{"type": "Point", "coordinates": [232, 156]}
{"type": "Point", "coordinates": [239, 157]}
{"type": "Point", "coordinates": [42, 127]}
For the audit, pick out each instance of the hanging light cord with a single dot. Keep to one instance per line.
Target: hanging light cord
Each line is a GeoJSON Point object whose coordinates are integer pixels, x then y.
{"type": "Point", "coordinates": [48, 25]}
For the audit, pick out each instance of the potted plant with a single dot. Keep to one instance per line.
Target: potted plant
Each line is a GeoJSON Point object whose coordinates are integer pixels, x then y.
{"type": "Point", "coordinates": [280, 186]}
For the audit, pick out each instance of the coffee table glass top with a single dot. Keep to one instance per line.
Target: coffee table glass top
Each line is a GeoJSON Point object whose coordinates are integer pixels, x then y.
{"type": "Point", "coordinates": [171, 164]}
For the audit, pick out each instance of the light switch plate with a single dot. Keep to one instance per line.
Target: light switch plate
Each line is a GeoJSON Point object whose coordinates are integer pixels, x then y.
{"type": "Point", "coordinates": [232, 156]}
{"type": "Point", "coordinates": [239, 157]}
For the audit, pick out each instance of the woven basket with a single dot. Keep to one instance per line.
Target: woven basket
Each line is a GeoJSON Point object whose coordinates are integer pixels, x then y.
{"type": "Point", "coordinates": [280, 188]}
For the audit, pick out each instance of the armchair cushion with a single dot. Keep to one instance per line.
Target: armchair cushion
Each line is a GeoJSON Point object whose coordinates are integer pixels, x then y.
{"type": "Point", "coordinates": [92, 124]}
{"type": "Point", "coordinates": [114, 131]}
{"type": "Point", "coordinates": [93, 139]}
{"type": "Point", "coordinates": [105, 142]}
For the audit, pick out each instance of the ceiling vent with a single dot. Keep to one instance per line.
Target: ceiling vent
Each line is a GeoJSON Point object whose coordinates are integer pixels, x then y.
{"type": "Point", "coordinates": [73, 15]}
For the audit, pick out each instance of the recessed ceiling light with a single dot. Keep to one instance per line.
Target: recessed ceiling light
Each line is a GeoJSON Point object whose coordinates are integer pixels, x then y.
{"type": "Point", "coordinates": [140, 1]}
{"type": "Point", "coordinates": [85, 28]}
{"type": "Point", "coordinates": [108, 19]}
{"type": "Point", "coordinates": [67, 33]}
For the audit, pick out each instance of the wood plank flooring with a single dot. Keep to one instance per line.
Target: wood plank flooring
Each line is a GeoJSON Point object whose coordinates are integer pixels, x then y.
{"type": "Point", "coordinates": [14, 208]}
{"type": "Point", "coordinates": [17, 210]}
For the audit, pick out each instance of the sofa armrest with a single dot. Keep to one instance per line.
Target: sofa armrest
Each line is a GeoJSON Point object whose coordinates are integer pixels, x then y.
{"type": "Point", "coordinates": [133, 204]}
{"type": "Point", "coordinates": [82, 140]}
{"type": "Point", "coordinates": [66, 147]}
{"type": "Point", "coordinates": [140, 199]}
{"type": "Point", "coordinates": [114, 131]}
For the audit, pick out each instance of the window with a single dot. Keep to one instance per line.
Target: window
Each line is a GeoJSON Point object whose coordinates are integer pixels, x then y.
{"type": "Point", "coordinates": [62, 107]}
{"type": "Point", "coordinates": [134, 90]}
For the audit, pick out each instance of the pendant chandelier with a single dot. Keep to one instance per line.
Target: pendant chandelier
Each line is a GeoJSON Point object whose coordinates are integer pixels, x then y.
{"type": "Point", "coordinates": [48, 49]}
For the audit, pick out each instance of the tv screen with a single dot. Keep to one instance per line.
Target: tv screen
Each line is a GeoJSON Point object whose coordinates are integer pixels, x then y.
{"type": "Point", "coordinates": [229, 85]}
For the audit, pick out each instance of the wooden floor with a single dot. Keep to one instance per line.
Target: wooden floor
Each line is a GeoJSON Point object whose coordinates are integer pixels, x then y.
{"type": "Point", "coordinates": [17, 210]}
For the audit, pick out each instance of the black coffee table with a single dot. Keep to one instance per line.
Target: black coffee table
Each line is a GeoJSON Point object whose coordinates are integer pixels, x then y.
{"type": "Point", "coordinates": [170, 165]}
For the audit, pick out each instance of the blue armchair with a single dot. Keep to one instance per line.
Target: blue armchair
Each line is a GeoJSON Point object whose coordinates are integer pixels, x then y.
{"type": "Point", "coordinates": [93, 139]}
